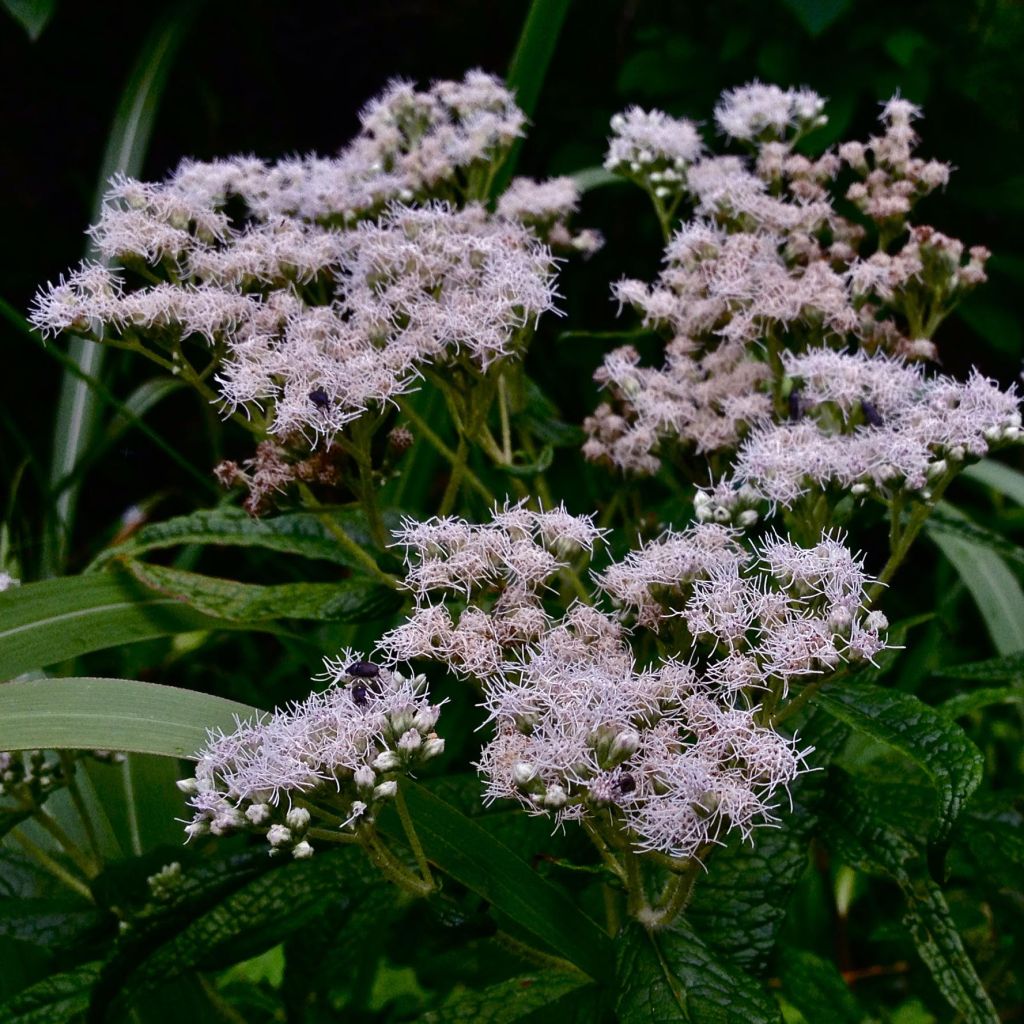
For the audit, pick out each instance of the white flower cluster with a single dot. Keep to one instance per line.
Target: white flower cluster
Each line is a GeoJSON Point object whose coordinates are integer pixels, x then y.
{"type": "Point", "coordinates": [866, 424]}
{"type": "Point", "coordinates": [327, 762]}
{"type": "Point", "coordinates": [337, 279]}
{"type": "Point", "coordinates": [653, 149]}
{"type": "Point", "coordinates": [674, 748]}
{"type": "Point", "coordinates": [768, 264]}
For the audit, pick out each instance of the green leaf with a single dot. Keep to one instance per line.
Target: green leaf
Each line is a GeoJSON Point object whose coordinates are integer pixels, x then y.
{"type": "Point", "coordinates": [464, 850]}
{"type": "Point", "coordinates": [672, 976]}
{"type": "Point", "coordinates": [528, 69]}
{"type": "Point", "coordinates": [514, 999]}
{"type": "Point", "coordinates": [32, 15]}
{"type": "Point", "coordinates": [46, 623]}
{"type": "Point", "coordinates": [55, 1000]}
{"type": "Point", "coordinates": [966, 703]}
{"type": "Point", "coordinates": [111, 714]}
{"type": "Point", "coordinates": [817, 15]}
{"type": "Point", "coordinates": [1009, 667]}
{"type": "Point", "coordinates": [867, 843]}
{"type": "Point", "coordinates": [994, 588]}
{"type": "Point", "coordinates": [352, 600]}
{"type": "Point", "coordinates": [54, 924]}
{"type": "Point", "coordinates": [590, 178]}
{"type": "Point", "coordinates": [127, 143]}
{"type": "Point", "coordinates": [294, 533]}
{"type": "Point", "coordinates": [993, 833]}
{"type": "Point", "coordinates": [816, 988]}
{"type": "Point", "coordinates": [945, 519]}
{"type": "Point", "coordinates": [1000, 477]}
{"type": "Point", "coordinates": [929, 738]}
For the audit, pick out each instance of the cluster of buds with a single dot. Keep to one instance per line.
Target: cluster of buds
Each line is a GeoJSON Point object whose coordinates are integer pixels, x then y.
{"type": "Point", "coordinates": [320, 767]}
{"type": "Point", "coordinates": [28, 777]}
{"type": "Point", "coordinates": [653, 150]}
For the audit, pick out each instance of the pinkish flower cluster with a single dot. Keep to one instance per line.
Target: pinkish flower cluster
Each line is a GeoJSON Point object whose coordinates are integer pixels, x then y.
{"type": "Point", "coordinates": [324, 297]}
{"type": "Point", "coordinates": [328, 762]}
{"type": "Point", "coordinates": [866, 424]}
{"type": "Point", "coordinates": [676, 748]}
{"type": "Point", "coordinates": [767, 265]}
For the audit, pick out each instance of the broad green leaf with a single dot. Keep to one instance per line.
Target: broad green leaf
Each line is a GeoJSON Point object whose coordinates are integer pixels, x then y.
{"type": "Point", "coordinates": [964, 703]}
{"type": "Point", "coordinates": [991, 669]}
{"type": "Point", "coordinates": [351, 600]}
{"type": "Point", "coordinates": [947, 520]}
{"type": "Point", "coordinates": [464, 850]}
{"type": "Point", "coordinates": [46, 623]}
{"type": "Point", "coordinates": [672, 976]}
{"type": "Point", "coordinates": [816, 988]}
{"type": "Point", "coordinates": [127, 143]}
{"type": "Point", "coordinates": [920, 732]}
{"type": "Point", "coordinates": [866, 842]}
{"type": "Point", "coordinates": [55, 1000]}
{"type": "Point", "coordinates": [111, 714]}
{"type": "Point", "coordinates": [993, 586]}
{"type": "Point", "coordinates": [739, 906]}
{"type": "Point", "coordinates": [294, 533]}
{"type": "Point", "coordinates": [999, 477]}
{"type": "Point", "coordinates": [32, 15]}
{"type": "Point", "coordinates": [54, 924]}
{"type": "Point", "coordinates": [515, 999]}
{"type": "Point", "coordinates": [993, 833]}
{"type": "Point", "coordinates": [817, 15]}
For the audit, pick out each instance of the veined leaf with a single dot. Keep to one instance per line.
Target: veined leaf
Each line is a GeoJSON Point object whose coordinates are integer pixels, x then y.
{"type": "Point", "coordinates": [974, 700]}
{"type": "Point", "coordinates": [993, 833]}
{"type": "Point", "coordinates": [294, 533]}
{"type": "Point", "coordinates": [922, 733]}
{"type": "Point", "coordinates": [464, 850]}
{"type": "Point", "coordinates": [514, 999]}
{"type": "Point", "coordinates": [55, 1000]}
{"type": "Point", "coordinates": [351, 600]}
{"type": "Point", "coordinates": [1009, 667]}
{"type": "Point", "coordinates": [45, 623]}
{"type": "Point", "coordinates": [863, 839]}
{"type": "Point", "coordinates": [111, 714]}
{"type": "Point", "coordinates": [672, 976]}
{"type": "Point", "coordinates": [994, 588]}
{"type": "Point", "coordinates": [816, 988]}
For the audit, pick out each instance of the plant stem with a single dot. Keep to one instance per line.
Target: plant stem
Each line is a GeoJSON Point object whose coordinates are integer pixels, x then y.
{"type": "Point", "coordinates": [68, 763]}
{"type": "Point", "coordinates": [414, 839]}
{"type": "Point", "coordinates": [393, 868]}
{"type": "Point", "coordinates": [674, 898]}
{"type": "Point", "coordinates": [38, 854]}
{"type": "Point", "coordinates": [451, 492]}
{"type": "Point", "coordinates": [535, 956]}
{"type": "Point", "coordinates": [85, 863]}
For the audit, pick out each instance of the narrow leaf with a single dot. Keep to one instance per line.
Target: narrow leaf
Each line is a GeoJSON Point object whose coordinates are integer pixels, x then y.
{"type": "Point", "coordinates": [351, 600]}
{"type": "Point", "coordinates": [899, 720]}
{"type": "Point", "coordinates": [511, 1000]}
{"type": "Point", "coordinates": [111, 714]}
{"type": "Point", "coordinates": [45, 623]}
{"type": "Point", "coordinates": [32, 15]}
{"type": "Point", "coordinates": [1009, 667]}
{"type": "Point", "coordinates": [966, 703]}
{"type": "Point", "coordinates": [994, 588]}
{"type": "Point", "coordinates": [464, 850]}
{"type": "Point", "coordinates": [595, 177]}
{"type": "Point", "coordinates": [672, 976]}
{"type": "Point", "coordinates": [999, 477]}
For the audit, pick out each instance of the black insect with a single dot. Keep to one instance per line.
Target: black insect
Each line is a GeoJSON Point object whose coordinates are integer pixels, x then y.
{"type": "Point", "coordinates": [363, 670]}
{"type": "Point", "coordinates": [358, 694]}
{"type": "Point", "coordinates": [319, 398]}
{"type": "Point", "coordinates": [871, 413]}
{"type": "Point", "coordinates": [796, 404]}
{"type": "Point", "coordinates": [625, 783]}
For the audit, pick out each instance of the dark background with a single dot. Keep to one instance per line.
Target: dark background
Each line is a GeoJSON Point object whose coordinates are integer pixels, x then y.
{"type": "Point", "coordinates": [273, 79]}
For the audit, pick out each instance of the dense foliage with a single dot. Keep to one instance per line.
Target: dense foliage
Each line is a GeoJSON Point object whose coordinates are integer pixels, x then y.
{"type": "Point", "coordinates": [587, 597]}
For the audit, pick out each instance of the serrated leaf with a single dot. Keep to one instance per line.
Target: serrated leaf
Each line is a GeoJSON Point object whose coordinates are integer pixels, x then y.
{"type": "Point", "coordinates": [672, 976]}
{"type": "Point", "coordinates": [930, 739]}
{"type": "Point", "coordinates": [46, 623]}
{"type": "Point", "coordinates": [54, 924]}
{"type": "Point", "coordinates": [816, 988]}
{"type": "Point", "coordinates": [54, 1000]}
{"type": "Point", "coordinates": [1009, 667]}
{"type": "Point", "coordinates": [111, 714]}
{"type": "Point", "coordinates": [995, 589]}
{"type": "Point", "coordinates": [865, 841]}
{"type": "Point", "coordinates": [965, 703]}
{"type": "Point", "coordinates": [514, 999]}
{"type": "Point", "coordinates": [293, 533]}
{"type": "Point", "coordinates": [352, 600]}
{"type": "Point", "coordinates": [464, 850]}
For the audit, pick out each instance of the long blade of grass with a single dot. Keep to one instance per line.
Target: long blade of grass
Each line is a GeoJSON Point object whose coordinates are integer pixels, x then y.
{"type": "Point", "coordinates": [130, 132]}
{"type": "Point", "coordinates": [528, 69]}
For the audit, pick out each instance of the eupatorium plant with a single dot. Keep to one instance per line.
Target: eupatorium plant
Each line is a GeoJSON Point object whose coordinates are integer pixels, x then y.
{"type": "Point", "coordinates": [673, 658]}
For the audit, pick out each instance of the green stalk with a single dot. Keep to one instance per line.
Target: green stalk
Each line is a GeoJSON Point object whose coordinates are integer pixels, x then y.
{"type": "Point", "coordinates": [41, 857]}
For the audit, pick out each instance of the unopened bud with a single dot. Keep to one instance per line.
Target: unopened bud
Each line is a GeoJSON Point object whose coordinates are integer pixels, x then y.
{"type": "Point", "coordinates": [433, 746]}
{"type": "Point", "coordinates": [302, 851]}
{"type": "Point", "coordinates": [297, 819]}
{"type": "Point", "coordinates": [277, 835]}
{"type": "Point", "coordinates": [386, 790]}
{"type": "Point", "coordinates": [387, 761]}
{"type": "Point", "coordinates": [523, 773]}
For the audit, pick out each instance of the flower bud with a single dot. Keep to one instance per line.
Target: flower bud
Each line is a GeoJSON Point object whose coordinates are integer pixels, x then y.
{"type": "Point", "coordinates": [297, 819]}
{"type": "Point", "coordinates": [257, 813]}
{"type": "Point", "coordinates": [523, 773]}
{"type": "Point", "coordinates": [410, 741]}
{"type": "Point", "coordinates": [386, 790]}
{"type": "Point", "coordinates": [188, 786]}
{"type": "Point", "coordinates": [555, 797]}
{"type": "Point", "coordinates": [278, 835]}
{"type": "Point", "coordinates": [387, 761]}
{"type": "Point", "coordinates": [432, 747]}
{"type": "Point", "coordinates": [302, 851]}
{"type": "Point", "coordinates": [364, 777]}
